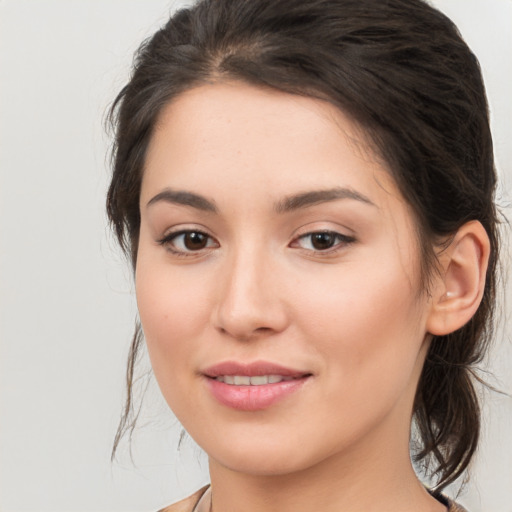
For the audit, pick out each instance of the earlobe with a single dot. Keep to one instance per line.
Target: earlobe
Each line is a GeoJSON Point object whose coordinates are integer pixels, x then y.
{"type": "Point", "coordinates": [461, 284]}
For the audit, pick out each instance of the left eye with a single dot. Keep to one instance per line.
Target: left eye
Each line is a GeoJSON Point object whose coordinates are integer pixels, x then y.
{"type": "Point", "coordinates": [322, 240]}
{"type": "Point", "coordinates": [188, 241]}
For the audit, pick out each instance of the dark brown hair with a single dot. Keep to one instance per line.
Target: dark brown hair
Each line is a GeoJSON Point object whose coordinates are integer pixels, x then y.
{"type": "Point", "coordinates": [401, 70]}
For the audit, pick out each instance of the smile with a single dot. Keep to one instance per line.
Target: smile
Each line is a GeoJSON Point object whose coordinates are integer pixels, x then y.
{"type": "Point", "coordinates": [254, 386]}
{"type": "Point", "coordinates": [255, 380]}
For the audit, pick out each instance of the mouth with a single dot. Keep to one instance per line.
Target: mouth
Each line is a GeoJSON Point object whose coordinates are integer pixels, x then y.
{"type": "Point", "coordinates": [254, 380]}
{"type": "Point", "coordinates": [254, 386]}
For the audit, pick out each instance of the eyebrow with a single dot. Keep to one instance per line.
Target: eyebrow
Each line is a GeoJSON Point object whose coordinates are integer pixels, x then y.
{"type": "Point", "coordinates": [306, 199]}
{"type": "Point", "coordinates": [184, 198]}
{"type": "Point", "coordinates": [288, 204]}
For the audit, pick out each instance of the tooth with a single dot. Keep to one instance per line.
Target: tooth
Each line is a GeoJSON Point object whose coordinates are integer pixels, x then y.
{"type": "Point", "coordinates": [255, 380]}
{"type": "Point", "coordinates": [259, 379]}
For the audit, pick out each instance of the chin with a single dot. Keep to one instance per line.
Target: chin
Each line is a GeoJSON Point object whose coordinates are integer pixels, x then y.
{"type": "Point", "coordinates": [260, 464]}
{"type": "Point", "coordinates": [267, 457]}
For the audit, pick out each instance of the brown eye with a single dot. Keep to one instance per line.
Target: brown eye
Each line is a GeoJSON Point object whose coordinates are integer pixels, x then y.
{"type": "Point", "coordinates": [322, 241]}
{"type": "Point", "coordinates": [319, 241]}
{"type": "Point", "coordinates": [188, 241]}
{"type": "Point", "coordinates": [195, 241]}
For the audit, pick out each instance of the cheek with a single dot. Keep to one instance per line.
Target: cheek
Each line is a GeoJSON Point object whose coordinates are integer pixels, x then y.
{"type": "Point", "coordinates": [173, 312]}
{"type": "Point", "coordinates": [366, 322]}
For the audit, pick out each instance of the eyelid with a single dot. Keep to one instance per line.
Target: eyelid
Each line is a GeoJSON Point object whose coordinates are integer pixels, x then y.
{"type": "Point", "coordinates": [169, 236]}
{"type": "Point", "coordinates": [343, 241]}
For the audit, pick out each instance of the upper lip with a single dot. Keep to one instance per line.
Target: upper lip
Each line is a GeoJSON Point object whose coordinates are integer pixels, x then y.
{"type": "Point", "coordinates": [252, 369]}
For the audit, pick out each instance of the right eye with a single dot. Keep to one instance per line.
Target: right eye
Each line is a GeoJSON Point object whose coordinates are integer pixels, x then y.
{"type": "Point", "coordinates": [185, 242]}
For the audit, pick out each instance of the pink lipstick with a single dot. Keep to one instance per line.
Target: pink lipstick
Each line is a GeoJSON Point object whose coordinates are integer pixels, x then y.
{"type": "Point", "coordinates": [254, 386]}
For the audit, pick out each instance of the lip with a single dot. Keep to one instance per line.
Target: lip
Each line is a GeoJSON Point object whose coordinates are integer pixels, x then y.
{"type": "Point", "coordinates": [252, 369]}
{"type": "Point", "coordinates": [253, 398]}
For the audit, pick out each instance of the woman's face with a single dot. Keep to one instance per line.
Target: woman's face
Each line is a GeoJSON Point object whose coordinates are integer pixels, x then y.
{"type": "Point", "coordinates": [278, 281]}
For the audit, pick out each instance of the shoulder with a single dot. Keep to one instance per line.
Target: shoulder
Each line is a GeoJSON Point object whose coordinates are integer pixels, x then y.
{"type": "Point", "coordinates": [188, 504]}
{"type": "Point", "coordinates": [455, 507]}
{"type": "Point", "coordinates": [450, 505]}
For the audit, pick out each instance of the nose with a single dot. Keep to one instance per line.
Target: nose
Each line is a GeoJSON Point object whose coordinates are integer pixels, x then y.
{"type": "Point", "coordinates": [251, 301]}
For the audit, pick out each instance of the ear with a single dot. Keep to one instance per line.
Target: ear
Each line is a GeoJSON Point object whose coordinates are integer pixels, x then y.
{"type": "Point", "coordinates": [460, 286]}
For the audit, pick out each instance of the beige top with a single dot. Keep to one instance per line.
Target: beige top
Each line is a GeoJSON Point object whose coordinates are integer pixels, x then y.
{"type": "Point", "coordinates": [192, 503]}
{"type": "Point", "coordinates": [200, 502]}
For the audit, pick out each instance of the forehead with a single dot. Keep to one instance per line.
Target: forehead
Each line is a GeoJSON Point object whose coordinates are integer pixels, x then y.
{"type": "Point", "coordinates": [248, 132]}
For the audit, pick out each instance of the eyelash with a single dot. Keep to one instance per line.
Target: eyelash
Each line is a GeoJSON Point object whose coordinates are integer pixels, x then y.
{"type": "Point", "coordinates": [340, 241]}
{"type": "Point", "coordinates": [168, 240]}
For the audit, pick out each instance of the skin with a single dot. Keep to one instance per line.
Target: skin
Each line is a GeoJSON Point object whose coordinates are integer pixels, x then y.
{"type": "Point", "coordinates": [354, 316]}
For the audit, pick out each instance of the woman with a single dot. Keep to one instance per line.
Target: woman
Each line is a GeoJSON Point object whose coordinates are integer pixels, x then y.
{"type": "Point", "coordinates": [305, 190]}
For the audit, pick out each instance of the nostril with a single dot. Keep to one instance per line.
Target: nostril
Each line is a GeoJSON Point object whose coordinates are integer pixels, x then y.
{"type": "Point", "coordinates": [246, 334]}
{"type": "Point", "coordinates": [263, 329]}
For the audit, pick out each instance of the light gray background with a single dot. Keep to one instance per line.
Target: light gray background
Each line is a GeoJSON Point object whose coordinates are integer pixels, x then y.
{"type": "Point", "coordinates": [66, 296]}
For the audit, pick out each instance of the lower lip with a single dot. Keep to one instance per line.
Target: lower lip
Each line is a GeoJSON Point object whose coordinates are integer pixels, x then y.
{"type": "Point", "coordinates": [253, 398]}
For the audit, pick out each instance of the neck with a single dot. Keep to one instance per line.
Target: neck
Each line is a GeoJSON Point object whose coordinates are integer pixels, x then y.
{"type": "Point", "coordinates": [331, 486]}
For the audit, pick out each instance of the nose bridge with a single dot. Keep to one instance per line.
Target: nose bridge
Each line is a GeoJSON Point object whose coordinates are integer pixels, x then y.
{"type": "Point", "coordinates": [249, 303]}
